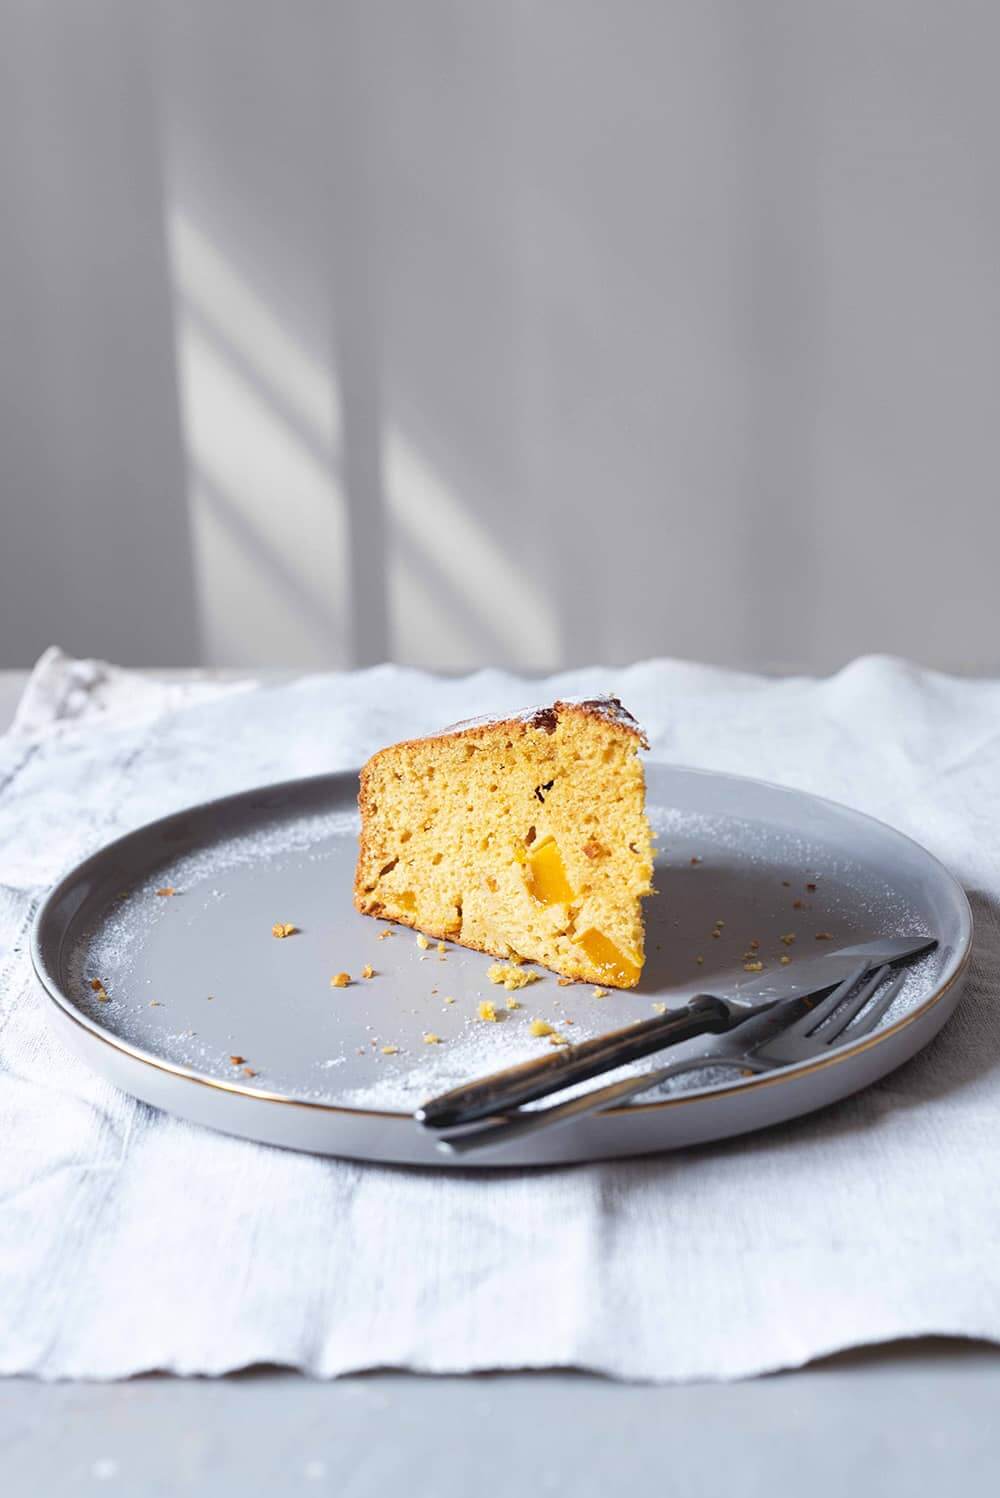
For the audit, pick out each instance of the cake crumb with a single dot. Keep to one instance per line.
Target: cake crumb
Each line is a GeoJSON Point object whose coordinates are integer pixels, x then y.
{"type": "Point", "coordinates": [556, 1039]}
{"type": "Point", "coordinates": [487, 1011]}
{"type": "Point", "coordinates": [449, 999]}
{"type": "Point", "coordinates": [788, 938]}
{"type": "Point", "coordinates": [600, 993]}
{"type": "Point", "coordinates": [811, 888]}
{"type": "Point", "coordinates": [281, 929]}
{"type": "Point", "coordinates": [513, 1003]}
{"type": "Point", "coordinates": [431, 1039]}
{"type": "Point", "coordinates": [784, 959]}
{"type": "Point", "coordinates": [383, 934]}
{"type": "Point", "coordinates": [340, 980]}
{"type": "Point", "coordinates": [155, 1004]}
{"type": "Point", "coordinates": [694, 861]}
{"type": "Point", "coordinates": [166, 891]}
{"type": "Point", "coordinates": [441, 947]}
{"type": "Point", "coordinates": [511, 977]}
{"type": "Point", "coordinates": [699, 959]}
{"type": "Point", "coordinates": [237, 1060]}
{"type": "Point", "coordinates": [753, 967]}
{"type": "Point", "coordinates": [824, 936]}
{"type": "Point", "coordinates": [716, 934]}
{"type": "Point", "coordinates": [540, 1027]}
{"type": "Point", "coordinates": [566, 982]}
{"type": "Point", "coordinates": [422, 941]}
{"type": "Point", "coordinates": [390, 1050]}
{"type": "Point", "coordinates": [798, 905]}
{"type": "Point", "coordinates": [367, 971]}
{"type": "Point", "coordinates": [248, 1071]}
{"type": "Point", "coordinates": [659, 1008]}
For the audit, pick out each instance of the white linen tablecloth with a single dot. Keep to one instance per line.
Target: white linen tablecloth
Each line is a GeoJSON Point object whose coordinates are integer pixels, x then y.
{"type": "Point", "coordinates": [130, 1240]}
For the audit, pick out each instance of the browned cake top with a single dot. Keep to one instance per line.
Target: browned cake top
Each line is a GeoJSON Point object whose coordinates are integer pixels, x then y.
{"type": "Point", "coordinates": [610, 709]}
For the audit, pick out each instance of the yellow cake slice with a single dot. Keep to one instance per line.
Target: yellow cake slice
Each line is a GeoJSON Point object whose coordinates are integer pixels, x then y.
{"type": "Point", "coordinates": [525, 837]}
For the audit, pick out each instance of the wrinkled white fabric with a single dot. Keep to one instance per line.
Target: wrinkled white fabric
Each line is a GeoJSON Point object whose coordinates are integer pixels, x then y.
{"type": "Point", "coordinates": [130, 1240]}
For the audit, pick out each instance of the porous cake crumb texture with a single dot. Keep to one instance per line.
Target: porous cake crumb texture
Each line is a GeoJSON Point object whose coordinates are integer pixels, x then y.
{"type": "Point", "coordinates": [523, 838]}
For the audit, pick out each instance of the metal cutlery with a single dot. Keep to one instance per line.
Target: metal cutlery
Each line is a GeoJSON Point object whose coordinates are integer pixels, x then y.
{"type": "Point", "coordinates": [504, 1092]}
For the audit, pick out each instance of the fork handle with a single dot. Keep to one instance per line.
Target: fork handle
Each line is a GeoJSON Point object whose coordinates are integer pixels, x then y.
{"type": "Point", "coordinates": [535, 1120]}
{"type": "Point", "coordinates": [504, 1090]}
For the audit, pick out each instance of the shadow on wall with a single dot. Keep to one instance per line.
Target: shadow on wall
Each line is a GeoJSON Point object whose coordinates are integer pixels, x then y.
{"type": "Point", "coordinates": [643, 317]}
{"type": "Point", "coordinates": [308, 493]}
{"type": "Point", "coordinates": [263, 419]}
{"type": "Point", "coordinates": [516, 469]}
{"type": "Point", "coordinates": [534, 336]}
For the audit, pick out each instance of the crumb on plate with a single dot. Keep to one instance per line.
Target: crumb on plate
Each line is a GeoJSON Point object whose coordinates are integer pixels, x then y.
{"type": "Point", "coordinates": [511, 976]}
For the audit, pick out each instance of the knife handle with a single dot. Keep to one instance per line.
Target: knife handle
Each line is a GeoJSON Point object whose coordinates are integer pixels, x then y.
{"type": "Point", "coordinates": [507, 1089]}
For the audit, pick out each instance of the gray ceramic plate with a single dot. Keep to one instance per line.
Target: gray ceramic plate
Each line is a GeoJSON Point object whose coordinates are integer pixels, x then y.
{"type": "Point", "coordinates": [196, 978]}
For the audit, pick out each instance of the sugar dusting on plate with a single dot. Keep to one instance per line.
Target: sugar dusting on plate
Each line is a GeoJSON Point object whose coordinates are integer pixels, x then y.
{"type": "Point", "coordinates": [725, 883]}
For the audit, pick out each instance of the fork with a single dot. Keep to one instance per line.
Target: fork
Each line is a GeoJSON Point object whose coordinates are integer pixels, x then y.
{"type": "Point", "coordinates": [843, 1016]}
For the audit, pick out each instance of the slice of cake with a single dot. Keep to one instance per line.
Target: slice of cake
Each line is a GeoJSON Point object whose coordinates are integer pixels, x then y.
{"type": "Point", "coordinates": [525, 837]}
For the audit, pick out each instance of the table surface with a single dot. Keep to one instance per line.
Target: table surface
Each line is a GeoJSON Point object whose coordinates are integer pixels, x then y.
{"type": "Point", "coordinates": [915, 1418]}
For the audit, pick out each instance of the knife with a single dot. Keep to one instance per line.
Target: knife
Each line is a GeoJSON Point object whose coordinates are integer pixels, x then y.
{"type": "Point", "coordinates": [704, 1014]}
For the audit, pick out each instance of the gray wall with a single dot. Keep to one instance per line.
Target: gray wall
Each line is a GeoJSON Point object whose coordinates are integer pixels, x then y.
{"type": "Point", "coordinates": [525, 333]}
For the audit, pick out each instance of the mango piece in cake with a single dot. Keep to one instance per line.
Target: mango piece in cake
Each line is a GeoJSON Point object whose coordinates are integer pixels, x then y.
{"type": "Point", "coordinates": [524, 837]}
